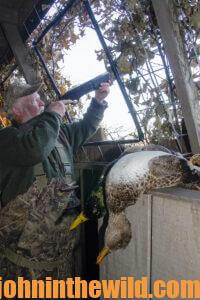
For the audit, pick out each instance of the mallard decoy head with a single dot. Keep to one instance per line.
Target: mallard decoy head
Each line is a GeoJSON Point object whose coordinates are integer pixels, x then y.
{"type": "Point", "coordinates": [117, 236]}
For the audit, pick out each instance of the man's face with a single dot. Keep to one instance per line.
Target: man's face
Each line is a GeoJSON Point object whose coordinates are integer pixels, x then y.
{"type": "Point", "coordinates": [34, 105]}
{"type": "Point", "coordinates": [28, 107]}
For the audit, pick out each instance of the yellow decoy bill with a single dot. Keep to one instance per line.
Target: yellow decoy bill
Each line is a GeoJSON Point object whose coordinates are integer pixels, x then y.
{"type": "Point", "coordinates": [79, 220]}
{"type": "Point", "coordinates": [104, 252]}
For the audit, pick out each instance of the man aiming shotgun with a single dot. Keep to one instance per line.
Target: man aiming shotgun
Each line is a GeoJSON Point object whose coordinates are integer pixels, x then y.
{"type": "Point", "coordinates": [37, 183]}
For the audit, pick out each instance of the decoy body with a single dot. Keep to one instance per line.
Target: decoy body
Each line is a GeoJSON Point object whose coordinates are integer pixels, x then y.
{"type": "Point", "coordinates": [137, 173]}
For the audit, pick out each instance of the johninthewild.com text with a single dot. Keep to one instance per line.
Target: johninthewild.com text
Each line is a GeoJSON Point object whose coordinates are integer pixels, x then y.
{"type": "Point", "coordinates": [75, 288]}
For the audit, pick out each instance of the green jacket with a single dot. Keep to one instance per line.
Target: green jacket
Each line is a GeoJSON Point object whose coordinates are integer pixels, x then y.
{"type": "Point", "coordinates": [23, 146]}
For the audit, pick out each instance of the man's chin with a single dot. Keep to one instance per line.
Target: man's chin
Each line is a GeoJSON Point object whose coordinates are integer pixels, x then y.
{"type": "Point", "coordinates": [41, 111]}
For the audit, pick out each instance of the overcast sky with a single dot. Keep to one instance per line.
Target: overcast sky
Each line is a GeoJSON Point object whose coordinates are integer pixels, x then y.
{"type": "Point", "coordinates": [81, 65]}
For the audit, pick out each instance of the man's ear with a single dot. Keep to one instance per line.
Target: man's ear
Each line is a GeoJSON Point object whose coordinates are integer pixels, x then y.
{"type": "Point", "coordinates": [16, 111]}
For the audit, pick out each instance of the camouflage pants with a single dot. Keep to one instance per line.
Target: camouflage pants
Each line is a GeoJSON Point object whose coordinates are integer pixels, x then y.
{"type": "Point", "coordinates": [33, 226]}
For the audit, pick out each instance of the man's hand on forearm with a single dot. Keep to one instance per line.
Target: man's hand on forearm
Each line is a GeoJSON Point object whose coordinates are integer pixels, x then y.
{"type": "Point", "coordinates": [102, 92]}
{"type": "Point", "coordinates": [60, 106]}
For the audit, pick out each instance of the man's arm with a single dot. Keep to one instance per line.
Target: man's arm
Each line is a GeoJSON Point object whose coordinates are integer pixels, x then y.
{"type": "Point", "coordinates": [78, 132]}
{"type": "Point", "coordinates": [27, 147]}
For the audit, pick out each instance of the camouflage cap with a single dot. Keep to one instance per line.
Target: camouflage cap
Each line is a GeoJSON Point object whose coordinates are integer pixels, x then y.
{"type": "Point", "coordinates": [17, 90]}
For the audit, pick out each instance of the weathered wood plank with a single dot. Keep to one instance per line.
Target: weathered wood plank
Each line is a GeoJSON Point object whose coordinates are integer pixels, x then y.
{"type": "Point", "coordinates": [175, 238]}
{"type": "Point", "coordinates": [20, 52]}
{"type": "Point", "coordinates": [186, 90]}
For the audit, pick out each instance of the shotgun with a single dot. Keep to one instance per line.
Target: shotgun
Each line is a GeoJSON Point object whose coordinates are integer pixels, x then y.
{"type": "Point", "coordinates": [85, 88]}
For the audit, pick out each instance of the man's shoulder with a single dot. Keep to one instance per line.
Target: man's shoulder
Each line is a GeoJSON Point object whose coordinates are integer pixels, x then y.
{"type": "Point", "coordinates": [8, 132]}
{"type": "Point", "coordinates": [8, 129]}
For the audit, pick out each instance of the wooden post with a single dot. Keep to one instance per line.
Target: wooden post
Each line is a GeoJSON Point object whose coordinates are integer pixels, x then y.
{"type": "Point", "coordinates": [168, 22]}
{"type": "Point", "coordinates": [8, 15]}
{"type": "Point", "coordinates": [20, 52]}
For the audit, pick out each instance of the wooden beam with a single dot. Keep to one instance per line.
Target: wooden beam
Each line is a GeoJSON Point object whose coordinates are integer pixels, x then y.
{"type": "Point", "coordinates": [8, 15]}
{"type": "Point", "coordinates": [168, 22]}
{"type": "Point", "coordinates": [20, 52]}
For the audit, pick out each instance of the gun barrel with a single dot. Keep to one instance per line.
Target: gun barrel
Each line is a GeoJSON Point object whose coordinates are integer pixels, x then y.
{"type": "Point", "coordinates": [85, 88]}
